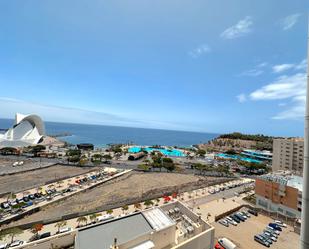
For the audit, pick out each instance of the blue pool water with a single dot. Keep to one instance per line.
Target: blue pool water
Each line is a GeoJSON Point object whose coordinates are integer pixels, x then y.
{"type": "Point", "coordinates": [246, 159]}
{"type": "Point", "coordinates": [165, 152]}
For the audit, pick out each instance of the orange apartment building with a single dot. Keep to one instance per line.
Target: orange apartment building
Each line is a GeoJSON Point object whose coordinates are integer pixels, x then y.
{"type": "Point", "coordinates": [280, 192]}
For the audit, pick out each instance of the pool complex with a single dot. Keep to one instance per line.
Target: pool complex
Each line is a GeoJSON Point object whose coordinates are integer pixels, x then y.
{"type": "Point", "coordinates": [237, 157]}
{"type": "Point", "coordinates": [166, 152]}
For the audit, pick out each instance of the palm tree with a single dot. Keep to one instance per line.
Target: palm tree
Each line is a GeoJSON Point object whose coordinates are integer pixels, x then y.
{"type": "Point", "coordinates": [148, 203]}
{"type": "Point", "coordinates": [110, 211]}
{"type": "Point", "coordinates": [124, 208]}
{"type": "Point", "coordinates": [59, 183]}
{"type": "Point", "coordinates": [12, 232]}
{"type": "Point", "coordinates": [93, 217]}
{"type": "Point", "coordinates": [137, 206]}
{"type": "Point", "coordinates": [60, 224]}
{"type": "Point", "coordinates": [81, 219]}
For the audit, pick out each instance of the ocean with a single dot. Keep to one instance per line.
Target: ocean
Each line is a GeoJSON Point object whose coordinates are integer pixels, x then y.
{"type": "Point", "coordinates": [101, 135]}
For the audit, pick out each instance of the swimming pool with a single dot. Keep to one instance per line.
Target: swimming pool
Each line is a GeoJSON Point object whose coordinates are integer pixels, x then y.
{"type": "Point", "coordinates": [237, 157]}
{"type": "Point", "coordinates": [172, 152]}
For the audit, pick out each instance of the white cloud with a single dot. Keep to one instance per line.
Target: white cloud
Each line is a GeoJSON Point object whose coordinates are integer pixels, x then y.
{"type": "Point", "coordinates": [241, 98]}
{"type": "Point", "coordinates": [200, 50]}
{"type": "Point", "coordinates": [242, 28]}
{"type": "Point", "coordinates": [302, 65]}
{"type": "Point", "coordinates": [284, 67]}
{"type": "Point", "coordinates": [282, 88]}
{"type": "Point", "coordinates": [289, 21]}
{"type": "Point", "coordinates": [258, 70]}
{"type": "Point", "coordinates": [292, 87]}
{"type": "Point", "coordinates": [252, 72]}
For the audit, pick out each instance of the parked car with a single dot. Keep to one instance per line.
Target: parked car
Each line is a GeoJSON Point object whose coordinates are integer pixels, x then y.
{"type": "Point", "coordinates": [65, 229]}
{"type": "Point", "coordinates": [240, 217]}
{"type": "Point", "coordinates": [259, 239]}
{"type": "Point", "coordinates": [253, 212]}
{"type": "Point", "coordinates": [280, 223]}
{"type": "Point", "coordinates": [5, 205]}
{"type": "Point", "coordinates": [268, 240]}
{"type": "Point", "coordinates": [223, 222]}
{"type": "Point", "coordinates": [275, 226]}
{"type": "Point", "coordinates": [235, 218]}
{"type": "Point", "coordinates": [45, 235]}
{"type": "Point", "coordinates": [270, 232]}
{"type": "Point", "coordinates": [226, 243]}
{"type": "Point", "coordinates": [3, 246]}
{"type": "Point", "coordinates": [31, 197]}
{"type": "Point", "coordinates": [16, 243]}
{"type": "Point", "coordinates": [218, 246]}
{"type": "Point", "coordinates": [273, 230]}
{"type": "Point", "coordinates": [26, 198]}
{"type": "Point", "coordinates": [270, 236]}
{"type": "Point", "coordinates": [231, 221]}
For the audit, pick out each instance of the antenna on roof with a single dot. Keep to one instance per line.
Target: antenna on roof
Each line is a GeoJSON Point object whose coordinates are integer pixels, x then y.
{"type": "Point", "coordinates": [114, 246]}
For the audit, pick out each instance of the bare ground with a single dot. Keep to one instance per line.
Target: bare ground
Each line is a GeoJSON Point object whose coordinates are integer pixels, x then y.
{"type": "Point", "coordinates": [30, 179]}
{"type": "Point", "coordinates": [130, 186]}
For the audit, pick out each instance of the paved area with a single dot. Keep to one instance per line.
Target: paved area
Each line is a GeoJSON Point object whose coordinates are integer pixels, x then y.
{"type": "Point", "coordinates": [7, 165]}
{"type": "Point", "coordinates": [35, 178]}
{"type": "Point", "coordinates": [242, 234]}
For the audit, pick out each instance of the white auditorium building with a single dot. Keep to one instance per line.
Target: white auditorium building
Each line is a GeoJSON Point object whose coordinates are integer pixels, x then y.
{"type": "Point", "coordinates": [27, 130]}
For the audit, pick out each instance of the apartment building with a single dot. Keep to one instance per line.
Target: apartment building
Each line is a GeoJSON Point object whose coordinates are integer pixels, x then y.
{"type": "Point", "coordinates": [288, 154]}
{"type": "Point", "coordinates": [170, 226]}
{"type": "Point", "coordinates": [279, 192]}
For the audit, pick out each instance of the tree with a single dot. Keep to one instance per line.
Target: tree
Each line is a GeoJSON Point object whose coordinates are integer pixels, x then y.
{"type": "Point", "coordinates": [137, 206]}
{"type": "Point", "coordinates": [110, 211]}
{"type": "Point", "coordinates": [60, 224]}
{"type": "Point", "coordinates": [107, 157]}
{"type": "Point", "coordinates": [93, 217]}
{"type": "Point", "coordinates": [96, 158]}
{"type": "Point", "coordinates": [148, 203]}
{"type": "Point", "coordinates": [12, 232]}
{"type": "Point", "coordinates": [59, 183]}
{"type": "Point", "coordinates": [81, 219]}
{"type": "Point", "coordinates": [125, 208]}
{"type": "Point", "coordinates": [10, 195]}
{"type": "Point", "coordinates": [36, 228]}
{"type": "Point", "coordinates": [201, 152]}
{"type": "Point", "coordinates": [168, 164]}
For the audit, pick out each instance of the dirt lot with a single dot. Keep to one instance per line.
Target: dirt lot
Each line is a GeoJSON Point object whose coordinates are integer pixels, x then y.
{"type": "Point", "coordinates": [131, 185]}
{"type": "Point", "coordinates": [26, 180]}
{"type": "Point", "coordinates": [242, 234]}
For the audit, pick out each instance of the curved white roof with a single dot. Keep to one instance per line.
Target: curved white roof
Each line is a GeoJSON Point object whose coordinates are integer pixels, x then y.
{"type": "Point", "coordinates": [27, 130]}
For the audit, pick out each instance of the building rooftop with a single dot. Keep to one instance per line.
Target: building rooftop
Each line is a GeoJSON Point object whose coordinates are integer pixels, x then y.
{"type": "Point", "coordinates": [125, 229]}
{"type": "Point", "coordinates": [285, 178]}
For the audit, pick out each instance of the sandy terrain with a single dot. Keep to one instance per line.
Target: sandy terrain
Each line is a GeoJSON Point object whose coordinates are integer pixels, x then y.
{"type": "Point", "coordinates": [132, 185]}
{"type": "Point", "coordinates": [26, 180]}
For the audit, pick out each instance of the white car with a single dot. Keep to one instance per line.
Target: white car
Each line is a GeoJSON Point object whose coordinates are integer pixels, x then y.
{"type": "Point", "coordinates": [3, 246]}
{"type": "Point", "coordinates": [224, 222]}
{"type": "Point", "coordinates": [65, 229]}
{"type": "Point", "coordinates": [280, 223]}
{"type": "Point", "coordinates": [16, 243]}
{"type": "Point", "coordinates": [231, 221]}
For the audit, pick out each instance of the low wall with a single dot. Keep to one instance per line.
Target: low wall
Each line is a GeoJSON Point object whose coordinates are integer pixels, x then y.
{"type": "Point", "coordinates": [64, 240]}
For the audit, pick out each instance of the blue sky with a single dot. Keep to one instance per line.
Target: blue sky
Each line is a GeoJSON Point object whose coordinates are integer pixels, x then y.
{"type": "Point", "coordinates": [213, 66]}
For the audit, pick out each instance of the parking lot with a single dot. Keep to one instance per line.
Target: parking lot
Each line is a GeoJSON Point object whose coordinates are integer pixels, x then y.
{"type": "Point", "coordinates": [243, 234]}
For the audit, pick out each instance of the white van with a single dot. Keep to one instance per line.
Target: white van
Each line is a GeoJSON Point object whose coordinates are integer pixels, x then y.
{"type": "Point", "coordinates": [226, 243]}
